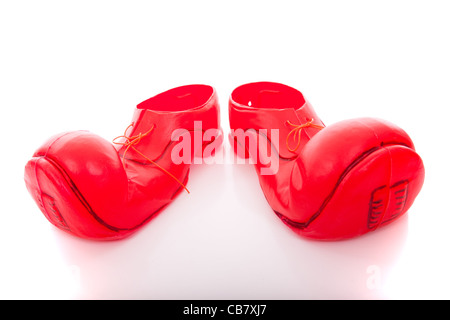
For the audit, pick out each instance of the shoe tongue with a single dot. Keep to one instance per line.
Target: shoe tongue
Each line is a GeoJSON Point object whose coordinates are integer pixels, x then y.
{"type": "Point", "coordinates": [274, 121]}
{"type": "Point", "coordinates": [170, 114]}
{"type": "Point", "coordinates": [158, 141]}
{"type": "Point", "coordinates": [274, 106]}
{"type": "Point", "coordinates": [168, 126]}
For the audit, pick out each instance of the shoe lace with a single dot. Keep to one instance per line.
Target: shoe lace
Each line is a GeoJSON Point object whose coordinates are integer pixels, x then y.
{"type": "Point", "coordinates": [130, 142]}
{"type": "Point", "coordinates": [297, 131]}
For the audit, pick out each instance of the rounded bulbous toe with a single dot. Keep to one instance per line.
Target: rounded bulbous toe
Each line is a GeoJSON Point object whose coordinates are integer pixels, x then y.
{"type": "Point", "coordinates": [366, 181]}
{"type": "Point", "coordinates": [71, 177]}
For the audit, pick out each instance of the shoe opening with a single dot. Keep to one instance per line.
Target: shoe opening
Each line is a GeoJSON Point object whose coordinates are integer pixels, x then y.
{"type": "Point", "coordinates": [179, 99]}
{"type": "Point", "coordinates": [268, 95]}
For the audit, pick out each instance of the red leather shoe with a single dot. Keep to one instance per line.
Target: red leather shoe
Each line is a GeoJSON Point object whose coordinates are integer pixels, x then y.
{"type": "Point", "coordinates": [331, 183]}
{"type": "Point", "coordinates": [96, 189]}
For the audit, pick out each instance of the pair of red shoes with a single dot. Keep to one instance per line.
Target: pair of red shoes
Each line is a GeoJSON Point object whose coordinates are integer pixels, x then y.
{"type": "Point", "coordinates": [329, 183]}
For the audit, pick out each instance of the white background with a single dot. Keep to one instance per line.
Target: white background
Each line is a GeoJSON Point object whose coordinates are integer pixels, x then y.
{"type": "Point", "coordinates": [86, 64]}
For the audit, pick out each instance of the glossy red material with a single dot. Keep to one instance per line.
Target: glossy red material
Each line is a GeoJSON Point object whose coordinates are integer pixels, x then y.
{"type": "Point", "coordinates": [332, 183]}
{"type": "Point", "coordinates": [96, 189]}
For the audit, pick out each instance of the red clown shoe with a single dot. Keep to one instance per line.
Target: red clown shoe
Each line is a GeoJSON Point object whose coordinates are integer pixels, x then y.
{"type": "Point", "coordinates": [326, 183]}
{"type": "Point", "coordinates": [96, 189]}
